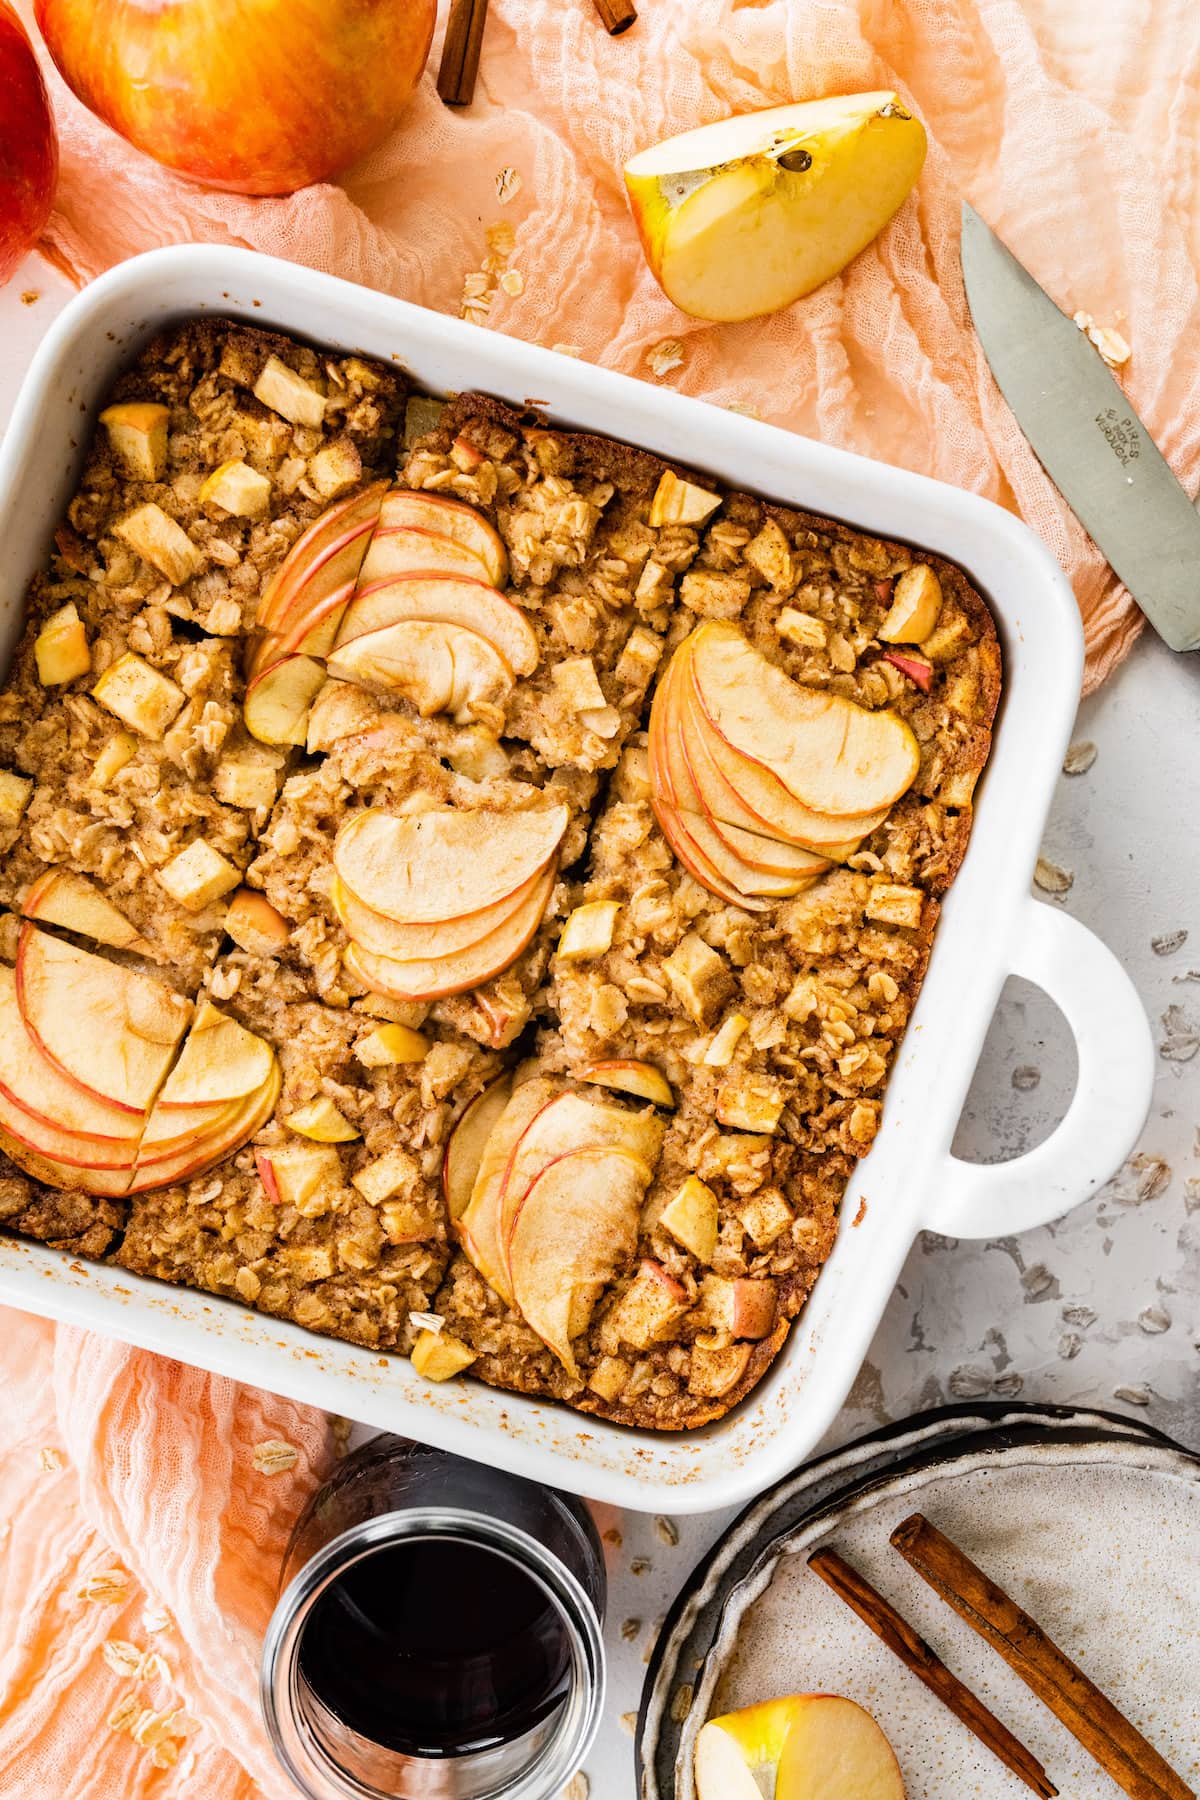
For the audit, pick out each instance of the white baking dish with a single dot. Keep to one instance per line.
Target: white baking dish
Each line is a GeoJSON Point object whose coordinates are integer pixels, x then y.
{"type": "Point", "coordinates": [990, 928]}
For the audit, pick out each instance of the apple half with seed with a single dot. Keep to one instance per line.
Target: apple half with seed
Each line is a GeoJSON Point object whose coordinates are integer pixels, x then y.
{"type": "Point", "coordinates": [743, 216]}
{"type": "Point", "coordinates": [805, 1747]}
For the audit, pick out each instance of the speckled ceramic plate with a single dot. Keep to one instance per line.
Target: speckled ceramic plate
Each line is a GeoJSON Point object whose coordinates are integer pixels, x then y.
{"type": "Point", "coordinates": [1090, 1520]}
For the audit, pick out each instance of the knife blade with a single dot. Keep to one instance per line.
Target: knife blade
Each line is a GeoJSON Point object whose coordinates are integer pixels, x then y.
{"type": "Point", "coordinates": [1086, 435]}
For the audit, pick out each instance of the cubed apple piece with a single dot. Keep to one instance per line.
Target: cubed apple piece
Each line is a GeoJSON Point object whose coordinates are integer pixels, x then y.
{"type": "Point", "coordinates": [629, 1076]}
{"type": "Point", "coordinates": [609, 1377]}
{"type": "Point", "coordinates": [699, 978]}
{"type": "Point", "coordinates": [475, 753]}
{"type": "Point", "coordinates": [320, 1120]}
{"type": "Point", "coordinates": [237, 488]}
{"type": "Point", "coordinates": [744, 1308]}
{"type": "Point", "coordinates": [255, 925]}
{"type": "Point", "coordinates": [250, 780]}
{"type": "Point", "coordinates": [438, 1355]}
{"type": "Point", "coordinates": [62, 898]}
{"type": "Point", "coordinates": [640, 657]}
{"type": "Point", "coordinates": [766, 1216]}
{"type": "Point", "coordinates": [297, 1174]}
{"type": "Point", "coordinates": [679, 502]}
{"type": "Point", "coordinates": [714, 1372]}
{"type": "Point", "coordinates": [577, 684]}
{"type": "Point", "coordinates": [605, 721]}
{"type": "Point", "coordinates": [889, 903]}
{"type": "Point", "coordinates": [801, 628]}
{"type": "Point", "coordinates": [15, 794]}
{"type": "Point", "coordinates": [139, 695]}
{"type": "Point", "coordinates": [691, 1218]}
{"type": "Point", "coordinates": [288, 394]}
{"type": "Point", "coordinates": [391, 1044]}
{"type": "Point", "coordinates": [719, 1054]}
{"type": "Point", "coordinates": [916, 606]}
{"type": "Point", "coordinates": [749, 1103]}
{"type": "Point", "coordinates": [946, 642]}
{"type": "Point", "coordinates": [120, 749]}
{"type": "Point", "coordinates": [198, 875]}
{"type": "Point", "coordinates": [61, 647]}
{"type": "Point", "coordinates": [334, 469]}
{"type": "Point", "coordinates": [648, 1312]}
{"type": "Point", "coordinates": [277, 701]}
{"type": "Point", "coordinates": [390, 1174]}
{"type": "Point", "coordinates": [137, 433]}
{"type": "Point", "coordinates": [632, 777]}
{"type": "Point", "coordinates": [917, 668]}
{"type": "Point", "coordinates": [161, 542]}
{"type": "Point", "coordinates": [589, 929]}
{"type": "Point", "coordinates": [465, 455]}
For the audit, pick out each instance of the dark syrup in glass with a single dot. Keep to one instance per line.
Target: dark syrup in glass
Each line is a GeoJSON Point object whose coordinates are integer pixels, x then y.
{"type": "Point", "coordinates": [436, 1647]}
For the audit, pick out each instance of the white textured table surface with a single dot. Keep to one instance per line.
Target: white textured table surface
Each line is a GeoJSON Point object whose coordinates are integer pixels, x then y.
{"type": "Point", "coordinates": [1102, 1308]}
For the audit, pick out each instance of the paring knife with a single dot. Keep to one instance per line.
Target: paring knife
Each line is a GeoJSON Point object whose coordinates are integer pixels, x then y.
{"type": "Point", "coordinates": [1087, 436]}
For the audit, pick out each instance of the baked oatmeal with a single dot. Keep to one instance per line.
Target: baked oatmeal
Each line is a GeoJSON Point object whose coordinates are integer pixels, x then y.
{"type": "Point", "coordinates": [494, 869]}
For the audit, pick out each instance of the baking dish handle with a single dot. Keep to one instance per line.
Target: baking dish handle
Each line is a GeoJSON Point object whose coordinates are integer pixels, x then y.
{"type": "Point", "coordinates": [1112, 1093]}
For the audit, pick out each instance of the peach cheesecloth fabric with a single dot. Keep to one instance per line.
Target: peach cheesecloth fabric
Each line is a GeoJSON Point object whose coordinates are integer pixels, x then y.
{"type": "Point", "coordinates": [1070, 124]}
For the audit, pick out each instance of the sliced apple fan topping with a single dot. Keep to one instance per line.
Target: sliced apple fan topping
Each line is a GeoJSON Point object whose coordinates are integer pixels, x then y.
{"type": "Point", "coordinates": [439, 902]}
{"type": "Point", "coordinates": [552, 1213]}
{"type": "Point", "coordinates": [761, 785]}
{"type": "Point", "coordinates": [100, 1088]}
{"type": "Point", "coordinates": [393, 590]}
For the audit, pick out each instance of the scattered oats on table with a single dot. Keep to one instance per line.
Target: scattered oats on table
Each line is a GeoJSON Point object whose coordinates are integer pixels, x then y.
{"type": "Point", "coordinates": [1051, 877]}
{"type": "Point", "coordinates": [1079, 758]}
{"type": "Point", "coordinates": [667, 1530]}
{"type": "Point", "coordinates": [630, 1629]}
{"type": "Point", "coordinates": [513, 282]}
{"type": "Point", "coordinates": [50, 1459]}
{"type": "Point", "coordinates": [508, 185]}
{"type": "Point", "coordinates": [665, 356]}
{"type": "Point", "coordinates": [122, 1657]}
{"type": "Point", "coordinates": [1168, 943]}
{"type": "Point", "coordinates": [578, 1788]}
{"type": "Point", "coordinates": [274, 1457]}
{"type": "Point", "coordinates": [105, 1586]}
{"type": "Point", "coordinates": [629, 1723]}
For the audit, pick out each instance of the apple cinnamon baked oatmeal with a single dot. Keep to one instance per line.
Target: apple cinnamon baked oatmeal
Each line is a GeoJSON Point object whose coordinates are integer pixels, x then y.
{"type": "Point", "coordinates": [466, 881]}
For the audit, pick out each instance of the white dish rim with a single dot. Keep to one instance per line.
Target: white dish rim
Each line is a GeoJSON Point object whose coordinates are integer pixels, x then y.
{"type": "Point", "coordinates": [989, 929]}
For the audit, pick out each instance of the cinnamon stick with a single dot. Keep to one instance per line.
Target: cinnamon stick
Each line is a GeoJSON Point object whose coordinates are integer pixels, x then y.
{"type": "Point", "coordinates": [923, 1661]}
{"type": "Point", "coordinates": [1060, 1684]}
{"type": "Point", "coordinates": [460, 51]}
{"type": "Point", "coordinates": [616, 16]}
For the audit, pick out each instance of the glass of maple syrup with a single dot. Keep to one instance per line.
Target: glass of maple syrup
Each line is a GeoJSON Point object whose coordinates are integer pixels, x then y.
{"type": "Point", "coordinates": [437, 1634]}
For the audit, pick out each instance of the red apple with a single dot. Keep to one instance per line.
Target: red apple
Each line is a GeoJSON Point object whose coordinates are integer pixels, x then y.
{"type": "Point", "coordinates": [28, 145]}
{"type": "Point", "coordinates": [260, 97]}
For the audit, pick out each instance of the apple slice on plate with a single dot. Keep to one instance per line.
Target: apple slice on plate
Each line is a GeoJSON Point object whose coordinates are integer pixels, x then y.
{"type": "Point", "coordinates": [467, 1143]}
{"type": "Point", "coordinates": [415, 550]}
{"type": "Point", "coordinates": [37, 1088]}
{"type": "Point", "coordinates": [375, 931]}
{"type": "Point", "coordinates": [62, 898]}
{"type": "Point", "coordinates": [807, 1746]}
{"type": "Point", "coordinates": [438, 667]}
{"type": "Point", "coordinates": [445, 600]}
{"type": "Point", "coordinates": [278, 699]}
{"type": "Point", "coordinates": [324, 562]}
{"type": "Point", "coordinates": [432, 978]}
{"type": "Point", "coordinates": [427, 867]}
{"type": "Point", "coordinates": [406, 510]}
{"type": "Point", "coordinates": [576, 1224]}
{"type": "Point", "coordinates": [107, 1029]}
{"type": "Point", "coordinates": [826, 752]}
